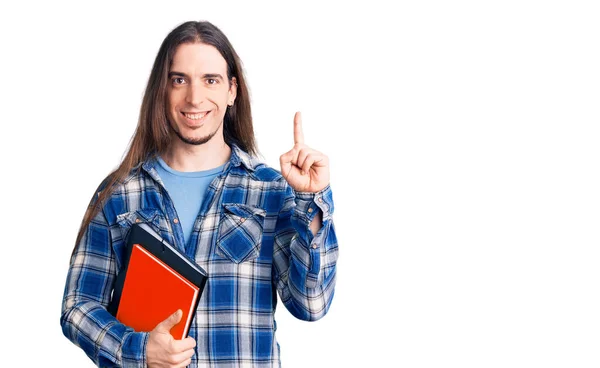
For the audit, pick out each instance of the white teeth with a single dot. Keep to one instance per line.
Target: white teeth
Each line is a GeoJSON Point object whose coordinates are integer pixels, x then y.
{"type": "Point", "coordinates": [195, 116]}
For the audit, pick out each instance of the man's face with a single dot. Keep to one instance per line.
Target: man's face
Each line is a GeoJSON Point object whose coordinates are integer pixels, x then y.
{"type": "Point", "coordinates": [198, 93]}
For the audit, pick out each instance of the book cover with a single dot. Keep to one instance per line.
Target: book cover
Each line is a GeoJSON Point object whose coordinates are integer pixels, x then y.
{"type": "Point", "coordinates": [156, 281]}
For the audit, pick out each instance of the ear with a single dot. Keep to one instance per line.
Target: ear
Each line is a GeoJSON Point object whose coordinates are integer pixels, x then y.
{"type": "Point", "coordinates": [232, 89]}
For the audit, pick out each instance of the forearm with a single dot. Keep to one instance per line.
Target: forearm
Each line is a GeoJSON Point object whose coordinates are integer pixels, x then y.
{"type": "Point", "coordinates": [315, 225]}
{"type": "Point", "coordinates": [84, 318]}
{"type": "Point", "coordinates": [104, 340]}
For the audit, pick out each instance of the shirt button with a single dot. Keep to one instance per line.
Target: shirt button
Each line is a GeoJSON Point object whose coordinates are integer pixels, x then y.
{"type": "Point", "coordinates": [176, 221]}
{"type": "Point", "coordinates": [320, 200]}
{"type": "Point", "coordinates": [315, 246]}
{"type": "Point", "coordinates": [137, 220]}
{"type": "Point", "coordinates": [310, 210]}
{"type": "Point", "coordinates": [242, 219]}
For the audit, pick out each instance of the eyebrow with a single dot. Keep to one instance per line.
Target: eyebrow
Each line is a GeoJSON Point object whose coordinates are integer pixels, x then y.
{"type": "Point", "coordinates": [204, 76]}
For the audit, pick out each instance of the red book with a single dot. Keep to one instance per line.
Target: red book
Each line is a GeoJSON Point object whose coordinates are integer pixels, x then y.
{"type": "Point", "coordinates": [156, 281]}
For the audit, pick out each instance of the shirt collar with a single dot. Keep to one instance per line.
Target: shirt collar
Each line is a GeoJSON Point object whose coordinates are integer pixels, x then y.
{"type": "Point", "coordinates": [238, 157]}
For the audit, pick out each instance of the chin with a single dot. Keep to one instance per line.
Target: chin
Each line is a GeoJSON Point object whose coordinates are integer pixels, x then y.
{"type": "Point", "coordinates": [195, 139]}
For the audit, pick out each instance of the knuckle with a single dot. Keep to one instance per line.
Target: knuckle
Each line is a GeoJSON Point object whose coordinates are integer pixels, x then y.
{"type": "Point", "coordinates": [170, 348]}
{"type": "Point", "coordinates": [172, 359]}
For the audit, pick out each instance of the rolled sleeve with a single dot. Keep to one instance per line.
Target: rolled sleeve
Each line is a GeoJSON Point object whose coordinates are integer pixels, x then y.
{"type": "Point", "coordinates": [305, 262]}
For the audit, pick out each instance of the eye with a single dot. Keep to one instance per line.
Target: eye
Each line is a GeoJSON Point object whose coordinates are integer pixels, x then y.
{"type": "Point", "coordinates": [211, 81]}
{"type": "Point", "coordinates": [178, 80]}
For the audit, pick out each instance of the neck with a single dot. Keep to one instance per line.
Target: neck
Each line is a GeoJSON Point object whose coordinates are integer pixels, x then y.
{"type": "Point", "coordinates": [185, 157]}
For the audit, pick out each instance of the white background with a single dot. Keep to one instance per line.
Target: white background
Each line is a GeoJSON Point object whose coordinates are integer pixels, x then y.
{"type": "Point", "coordinates": [463, 140]}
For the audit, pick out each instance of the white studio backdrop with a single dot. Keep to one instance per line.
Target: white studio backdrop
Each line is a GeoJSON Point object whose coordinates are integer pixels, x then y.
{"type": "Point", "coordinates": [463, 140]}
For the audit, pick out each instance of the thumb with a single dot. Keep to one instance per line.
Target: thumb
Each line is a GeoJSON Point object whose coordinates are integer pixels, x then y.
{"type": "Point", "coordinates": [170, 322]}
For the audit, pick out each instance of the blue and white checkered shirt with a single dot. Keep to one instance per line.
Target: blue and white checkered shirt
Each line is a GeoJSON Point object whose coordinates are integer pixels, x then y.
{"type": "Point", "coordinates": [252, 236]}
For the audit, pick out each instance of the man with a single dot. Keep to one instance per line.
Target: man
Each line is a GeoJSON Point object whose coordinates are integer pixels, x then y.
{"type": "Point", "coordinates": [190, 172]}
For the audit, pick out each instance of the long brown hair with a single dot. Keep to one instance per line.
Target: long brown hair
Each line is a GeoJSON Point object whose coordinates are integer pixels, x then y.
{"type": "Point", "coordinates": [152, 134]}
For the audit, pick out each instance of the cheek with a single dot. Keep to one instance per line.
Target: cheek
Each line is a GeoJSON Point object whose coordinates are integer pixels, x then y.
{"type": "Point", "coordinates": [173, 99]}
{"type": "Point", "coordinates": [171, 113]}
{"type": "Point", "coordinates": [218, 98]}
{"type": "Point", "coordinates": [216, 94]}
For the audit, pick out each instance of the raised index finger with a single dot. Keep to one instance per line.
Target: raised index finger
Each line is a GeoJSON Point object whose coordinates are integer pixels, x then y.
{"type": "Point", "coordinates": [298, 133]}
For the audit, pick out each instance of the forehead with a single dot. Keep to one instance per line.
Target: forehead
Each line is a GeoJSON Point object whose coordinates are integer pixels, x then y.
{"type": "Point", "coordinates": [198, 58]}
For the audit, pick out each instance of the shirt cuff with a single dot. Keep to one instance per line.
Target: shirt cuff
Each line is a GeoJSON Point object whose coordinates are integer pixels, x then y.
{"type": "Point", "coordinates": [308, 204]}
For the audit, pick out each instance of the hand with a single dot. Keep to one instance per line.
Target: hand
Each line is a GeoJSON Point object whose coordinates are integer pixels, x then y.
{"type": "Point", "coordinates": [305, 169]}
{"type": "Point", "coordinates": [163, 350]}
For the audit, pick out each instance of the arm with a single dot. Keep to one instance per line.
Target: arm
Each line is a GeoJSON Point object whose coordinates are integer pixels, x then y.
{"type": "Point", "coordinates": [84, 319]}
{"type": "Point", "coordinates": [304, 264]}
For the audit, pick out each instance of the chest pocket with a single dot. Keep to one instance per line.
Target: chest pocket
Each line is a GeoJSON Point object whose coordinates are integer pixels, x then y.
{"type": "Point", "coordinates": [240, 232]}
{"type": "Point", "coordinates": [151, 216]}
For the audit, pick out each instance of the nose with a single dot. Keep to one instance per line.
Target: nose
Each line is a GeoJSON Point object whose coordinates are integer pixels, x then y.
{"type": "Point", "coordinates": [194, 94]}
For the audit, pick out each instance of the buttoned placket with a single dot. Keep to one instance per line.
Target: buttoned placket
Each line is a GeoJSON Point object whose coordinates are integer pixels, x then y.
{"type": "Point", "coordinates": [169, 209]}
{"type": "Point", "coordinates": [171, 213]}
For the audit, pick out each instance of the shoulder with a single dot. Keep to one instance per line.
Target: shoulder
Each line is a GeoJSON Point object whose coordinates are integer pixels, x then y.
{"type": "Point", "coordinates": [263, 172]}
{"type": "Point", "coordinates": [121, 192]}
{"type": "Point", "coordinates": [254, 166]}
{"type": "Point", "coordinates": [128, 181]}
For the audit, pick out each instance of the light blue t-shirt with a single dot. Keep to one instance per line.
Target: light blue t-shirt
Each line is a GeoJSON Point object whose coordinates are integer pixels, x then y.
{"type": "Point", "coordinates": [187, 190]}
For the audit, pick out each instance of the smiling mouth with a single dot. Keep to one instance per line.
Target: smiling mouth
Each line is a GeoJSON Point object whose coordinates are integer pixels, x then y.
{"type": "Point", "coordinates": [195, 119]}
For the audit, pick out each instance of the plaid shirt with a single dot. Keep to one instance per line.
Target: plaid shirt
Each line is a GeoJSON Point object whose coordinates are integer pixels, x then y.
{"type": "Point", "coordinates": [252, 236]}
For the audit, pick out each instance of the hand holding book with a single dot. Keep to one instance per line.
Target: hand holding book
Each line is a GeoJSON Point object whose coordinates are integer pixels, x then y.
{"type": "Point", "coordinates": [163, 350]}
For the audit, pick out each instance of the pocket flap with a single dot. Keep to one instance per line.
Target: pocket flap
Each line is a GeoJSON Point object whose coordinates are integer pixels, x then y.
{"type": "Point", "coordinates": [243, 210]}
{"type": "Point", "coordinates": [127, 219]}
